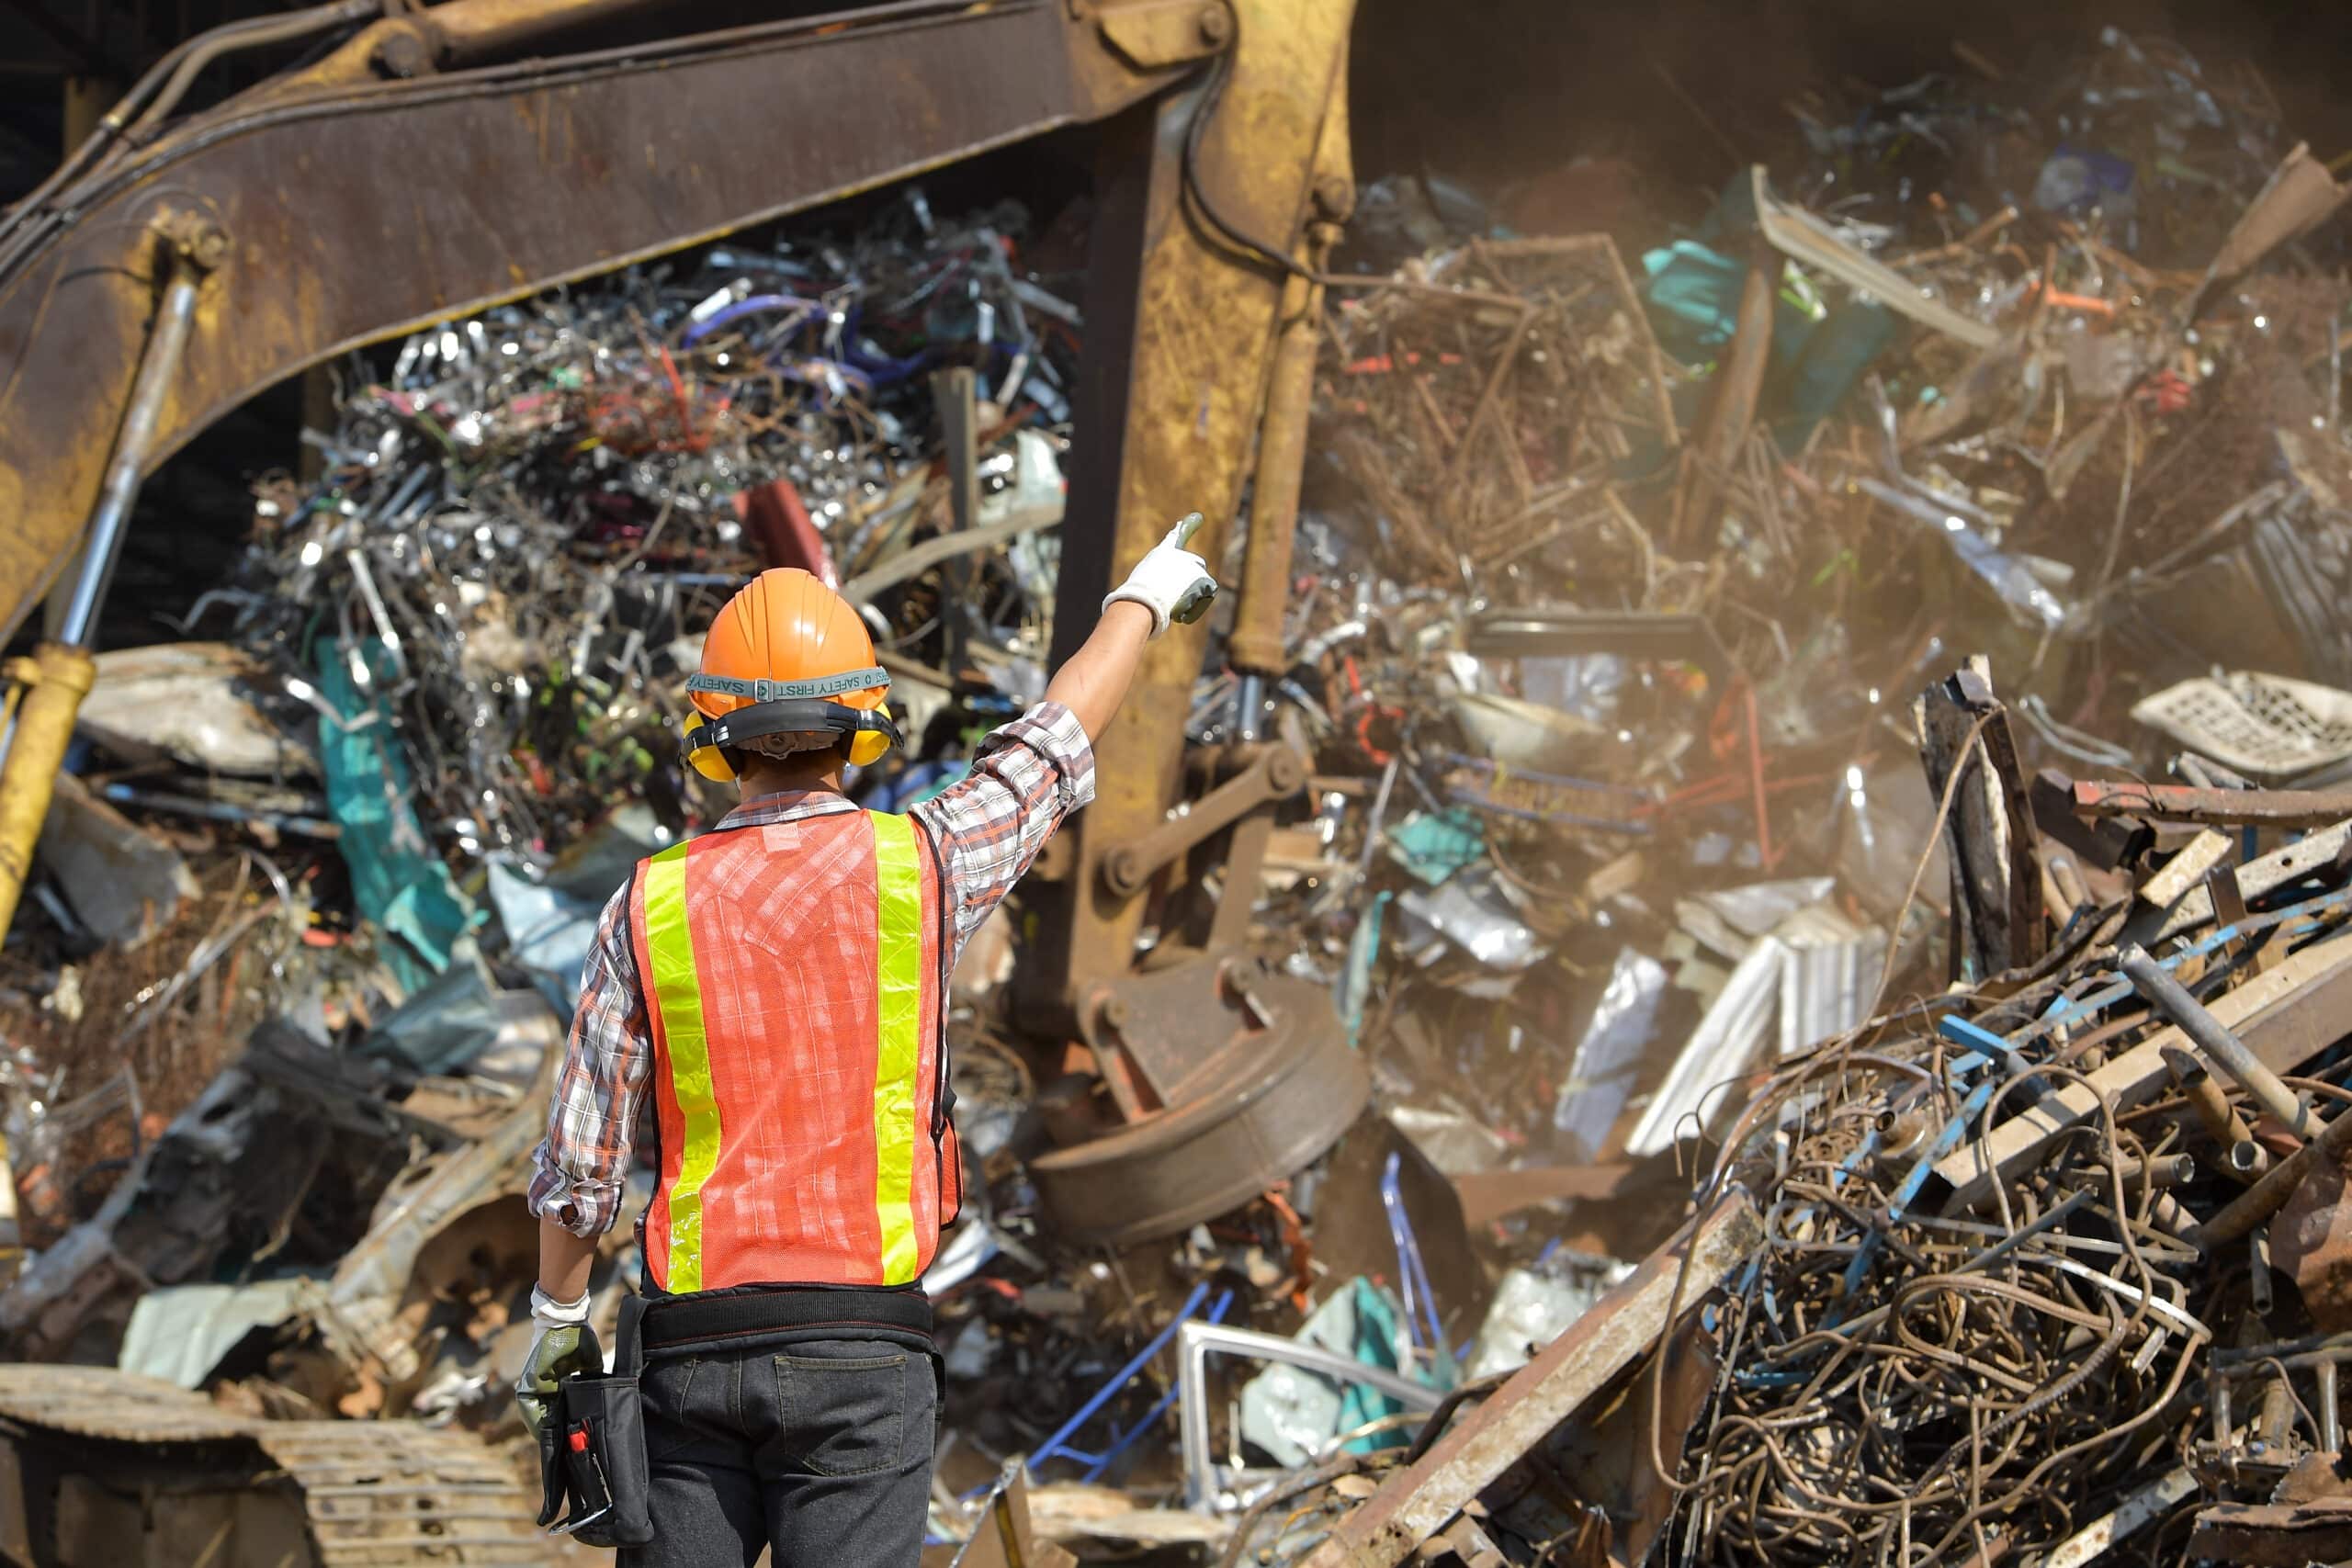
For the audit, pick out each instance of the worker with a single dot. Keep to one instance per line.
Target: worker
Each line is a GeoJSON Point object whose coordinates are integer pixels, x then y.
{"type": "Point", "coordinates": [777, 984]}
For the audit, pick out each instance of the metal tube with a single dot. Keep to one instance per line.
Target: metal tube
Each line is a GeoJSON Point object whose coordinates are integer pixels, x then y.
{"type": "Point", "coordinates": [59, 673]}
{"type": "Point", "coordinates": [2170, 998]}
{"type": "Point", "coordinates": [2331, 1424]}
{"type": "Point", "coordinates": [2241, 1158]}
{"type": "Point", "coordinates": [157, 367]}
{"type": "Point", "coordinates": [55, 679]}
{"type": "Point", "coordinates": [2262, 1200]}
{"type": "Point", "coordinates": [2275, 1414]}
{"type": "Point", "coordinates": [1256, 641]}
{"type": "Point", "coordinates": [1248, 704]}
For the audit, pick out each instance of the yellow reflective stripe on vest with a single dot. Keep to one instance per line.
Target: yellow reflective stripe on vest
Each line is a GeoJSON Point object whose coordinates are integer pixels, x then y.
{"type": "Point", "coordinates": [897, 990]}
{"type": "Point", "coordinates": [670, 947]}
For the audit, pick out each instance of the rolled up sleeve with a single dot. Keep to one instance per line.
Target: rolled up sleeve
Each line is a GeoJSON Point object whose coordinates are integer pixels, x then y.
{"type": "Point", "coordinates": [990, 824]}
{"type": "Point", "coordinates": [580, 1170]}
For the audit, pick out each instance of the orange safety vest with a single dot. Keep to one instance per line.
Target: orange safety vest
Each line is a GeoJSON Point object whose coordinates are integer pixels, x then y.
{"type": "Point", "coordinates": [794, 974]}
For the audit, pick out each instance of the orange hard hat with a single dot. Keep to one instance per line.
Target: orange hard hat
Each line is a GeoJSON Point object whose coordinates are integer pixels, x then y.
{"type": "Point", "coordinates": [793, 647]}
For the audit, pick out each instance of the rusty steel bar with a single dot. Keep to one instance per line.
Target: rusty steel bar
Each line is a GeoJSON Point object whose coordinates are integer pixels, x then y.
{"type": "Point", "coordinates": [2212, 807]}
{"type": "Point", "coordinates": [1276, 771]}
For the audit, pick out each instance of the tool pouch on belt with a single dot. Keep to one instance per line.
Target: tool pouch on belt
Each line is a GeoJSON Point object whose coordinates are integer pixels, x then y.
{"type": "Point", "coordinates": [599, 1446]}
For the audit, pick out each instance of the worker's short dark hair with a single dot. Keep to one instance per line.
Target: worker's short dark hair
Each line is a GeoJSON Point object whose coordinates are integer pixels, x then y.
{"type": "Point", "coordinates": [739, 758]}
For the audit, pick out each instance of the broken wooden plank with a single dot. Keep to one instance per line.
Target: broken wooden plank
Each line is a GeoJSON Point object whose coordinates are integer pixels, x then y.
{"type": "Point", "coordinates": [1416, 1504]}
{"type": "Point", "coordinates": [2189, 866]}
{"type": "Point", "coordinates": [2285, 1017]}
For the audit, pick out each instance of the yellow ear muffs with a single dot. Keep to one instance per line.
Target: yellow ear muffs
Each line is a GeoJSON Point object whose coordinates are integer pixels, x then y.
{"type": "Point", "coordinates": [867, 746]}
{"type": "Point", "coordinates": [709, 761]}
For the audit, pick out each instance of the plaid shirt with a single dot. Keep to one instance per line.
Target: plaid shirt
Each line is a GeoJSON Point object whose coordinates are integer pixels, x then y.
{"type": "Point", "coordinates": [988, 827]}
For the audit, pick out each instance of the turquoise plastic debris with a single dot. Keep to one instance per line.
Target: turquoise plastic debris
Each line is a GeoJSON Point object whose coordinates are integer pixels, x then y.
{"type": "Point", "coordinates": [1379, 1328]}
{"type": "Point", "coordinates": [1691, 296]}
{"type": "Point", "coordinates": [399, 883]}
{"type": "Point", "coordinates": [1355, 977]}
{"type": "Point", "coordinates": [1433, 846]}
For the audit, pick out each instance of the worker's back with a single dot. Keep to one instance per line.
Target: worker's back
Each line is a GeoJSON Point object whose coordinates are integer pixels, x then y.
{"type": "Point", "coordinates": [793, 971]}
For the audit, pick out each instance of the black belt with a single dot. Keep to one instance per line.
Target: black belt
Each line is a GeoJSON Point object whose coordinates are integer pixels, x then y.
{"type": "Point", "coordinates": [719, 1320]}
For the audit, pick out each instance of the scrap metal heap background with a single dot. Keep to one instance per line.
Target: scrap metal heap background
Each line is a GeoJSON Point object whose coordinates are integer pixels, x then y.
{"type": "Point", "coordinates": [1674, 591]}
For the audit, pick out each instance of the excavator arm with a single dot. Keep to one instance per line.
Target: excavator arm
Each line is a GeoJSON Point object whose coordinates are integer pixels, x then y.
{"type": "Point", "coordinates": [438, 160]}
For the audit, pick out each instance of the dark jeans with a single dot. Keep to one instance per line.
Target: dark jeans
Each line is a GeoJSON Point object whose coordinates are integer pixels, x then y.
{"type": "Point", "coordinates": [821, 1450]}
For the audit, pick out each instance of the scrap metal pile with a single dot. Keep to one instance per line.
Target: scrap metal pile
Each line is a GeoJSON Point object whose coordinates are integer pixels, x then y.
{"type": "Point", "coordinates": [1614, 840]}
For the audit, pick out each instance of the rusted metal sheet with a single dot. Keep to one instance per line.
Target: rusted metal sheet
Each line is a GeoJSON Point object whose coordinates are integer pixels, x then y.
{"type": "Point", "coordinates": [1179, 333]}
{"type": "Point", "coordinates": [2310, 1241]}
{"type": "Point", "coordinates": [1414, 1504]}
{"type": "Point", "coordinates": [357, 211]}
{"type": "Point", "coordinates": [2286, 1534]}
{"type": "Point", "coordinates": [392, 1492]}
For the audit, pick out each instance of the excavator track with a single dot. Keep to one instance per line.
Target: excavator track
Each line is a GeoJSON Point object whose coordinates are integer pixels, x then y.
{"type": "Point", "coordinates": [373, 1495]}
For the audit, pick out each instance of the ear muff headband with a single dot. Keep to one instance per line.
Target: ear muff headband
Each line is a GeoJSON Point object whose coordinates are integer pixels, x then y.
{"type": "Point", "coordinates": [872, 731]}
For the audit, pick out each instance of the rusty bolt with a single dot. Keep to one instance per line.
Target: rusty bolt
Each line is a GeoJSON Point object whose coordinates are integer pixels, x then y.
{"type": "Point", "coordinates": [401, 55]}
{"type": "Point", "coordinates": [1285, 768]}
{"type": "Point", "coordinates": [201, 242]}
{"type": "Point", "coordinates": [1114, 1012]}
{"type": "Point", "coordinates": [1125, 869]}
{"type": "Point", "coordinates": [1216, 24]}
{"type": "Point", "coordinates": [209, 246]}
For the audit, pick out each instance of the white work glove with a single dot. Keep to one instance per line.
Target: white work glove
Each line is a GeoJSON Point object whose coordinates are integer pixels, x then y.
{"type": "Point", "coordinates": [1170, 582]}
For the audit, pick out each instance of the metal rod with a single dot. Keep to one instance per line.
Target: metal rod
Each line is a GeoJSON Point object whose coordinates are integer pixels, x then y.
{"type": "Point", "coordinates": [1119, 1378]}
{"type": "Point", "coordinates": [157, 367]}
{"type": "Point", "coordinates": [2331, 1424]}
{"type": "Point", "coordinates": [2170, 998]}
{"type": "Point", "coordinates": [1249, 706]}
